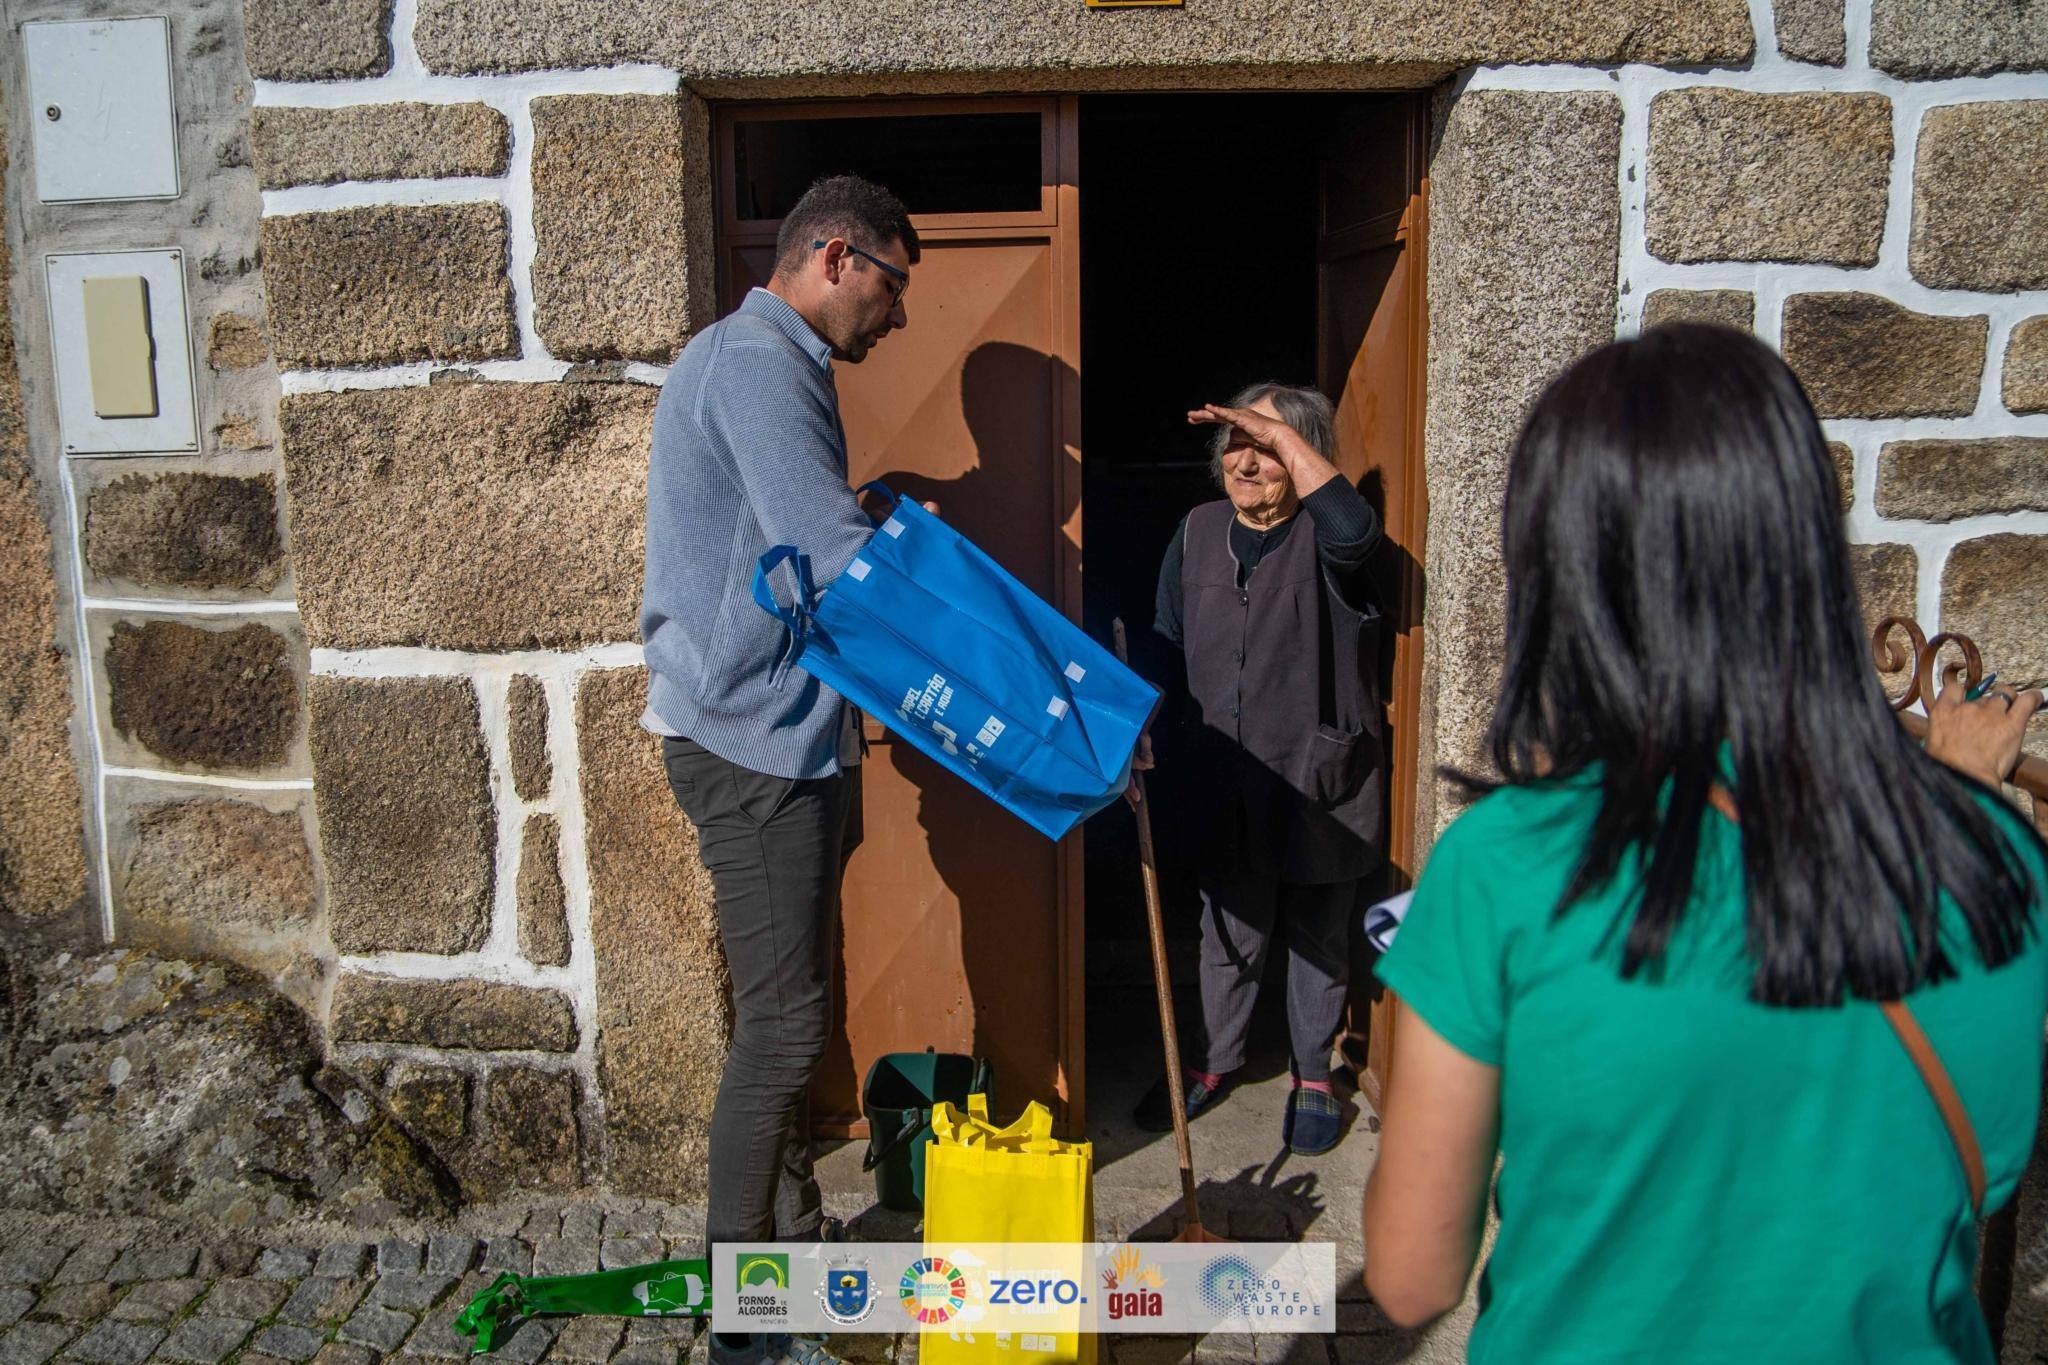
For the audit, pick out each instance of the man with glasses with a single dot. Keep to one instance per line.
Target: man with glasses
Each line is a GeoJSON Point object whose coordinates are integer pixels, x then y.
{"type": "Point", "coordinates": [748, 453]}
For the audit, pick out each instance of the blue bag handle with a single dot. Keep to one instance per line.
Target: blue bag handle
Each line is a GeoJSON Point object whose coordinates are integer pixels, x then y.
{"type": "Point", "coordinates": [798, 617]}
{"type": "Point", "coordinates": [795, 617]}
{"type": "Point", "coordinates": [877, 486]}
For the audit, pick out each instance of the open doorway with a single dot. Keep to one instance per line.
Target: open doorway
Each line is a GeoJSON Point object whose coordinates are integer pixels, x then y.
{"type": "Point", "coordinates": [1197, 243]}
{"type": "Point", "coordinates": [1227, 239]}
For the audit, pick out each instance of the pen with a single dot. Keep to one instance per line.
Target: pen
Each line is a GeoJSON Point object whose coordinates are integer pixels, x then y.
{"type": "Point", "coordinates": [1983, 687]}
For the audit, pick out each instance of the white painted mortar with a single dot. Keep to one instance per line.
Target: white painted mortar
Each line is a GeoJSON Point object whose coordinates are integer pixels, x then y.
{"type": "Point", "coordinates": [1642, 274]}
{"type": "Point", "coordinates": [560, 672]}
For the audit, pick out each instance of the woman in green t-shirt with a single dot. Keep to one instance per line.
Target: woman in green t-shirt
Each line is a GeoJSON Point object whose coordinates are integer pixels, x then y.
{"type": "Point", "coordinates": [1645, 969]}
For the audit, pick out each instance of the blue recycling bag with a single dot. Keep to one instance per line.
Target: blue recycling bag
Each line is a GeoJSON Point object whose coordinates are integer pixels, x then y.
{"type": "Point", "coordinates": [937, 641]}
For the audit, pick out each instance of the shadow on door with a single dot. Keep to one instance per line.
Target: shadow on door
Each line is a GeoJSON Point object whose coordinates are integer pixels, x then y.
{"type": "Point", "coordinates": [1002, 929]}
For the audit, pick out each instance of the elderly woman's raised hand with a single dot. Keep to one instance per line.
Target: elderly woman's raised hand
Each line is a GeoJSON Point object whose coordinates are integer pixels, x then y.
{"type": "Point", "coordinates": [1268, 433]}
{"type": "Point", "coordinates": [1306, 469]}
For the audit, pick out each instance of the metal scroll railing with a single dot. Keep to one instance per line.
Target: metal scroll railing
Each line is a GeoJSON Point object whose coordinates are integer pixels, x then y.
{"type": "Point", "coordinates": [1925, 674]}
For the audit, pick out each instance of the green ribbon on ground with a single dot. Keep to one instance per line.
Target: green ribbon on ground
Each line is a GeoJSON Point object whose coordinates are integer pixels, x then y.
{"type": "Point", "coordinates": [663, 1289]}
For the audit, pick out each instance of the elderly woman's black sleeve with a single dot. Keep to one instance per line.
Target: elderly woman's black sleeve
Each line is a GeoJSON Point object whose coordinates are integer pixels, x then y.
{"type": "Point", "coordinates": [1166, 602]}
{"type": "Point", "coordinates": [1347, 529]}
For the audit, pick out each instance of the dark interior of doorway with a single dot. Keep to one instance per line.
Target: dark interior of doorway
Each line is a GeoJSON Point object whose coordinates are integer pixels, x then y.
{"type": "Point", "coordinates": [1198, 277]}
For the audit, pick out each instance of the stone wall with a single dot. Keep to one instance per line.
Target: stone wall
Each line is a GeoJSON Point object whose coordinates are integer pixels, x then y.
{"type": "Point", "coordinates": [471, 281]}
{"type": "Point", "coordinates": [474, 281]}
{"type": "Point", "coordinates": [1508, 308]}
{"type": "Point", "coordinates": [383, 748]}
{"type": "Point", "coordinates": [1865, 195]}
{"type": "Point", "coordinates": [177, 566]}
{"type": "Point", "coordinates": [1050, 45]}
{"type": "Point", "coordinates": [42, 845]}
{"type": "Point", "coordinates": [308, 750]}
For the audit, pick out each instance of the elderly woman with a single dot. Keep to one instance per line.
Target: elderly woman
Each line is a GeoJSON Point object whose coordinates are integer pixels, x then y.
{"type": "Point", "coordinates": [1268, 605]}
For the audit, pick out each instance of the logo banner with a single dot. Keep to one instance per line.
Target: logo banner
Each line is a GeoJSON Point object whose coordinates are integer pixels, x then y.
{"type": "Point", "coordinates": [1024, 1293]}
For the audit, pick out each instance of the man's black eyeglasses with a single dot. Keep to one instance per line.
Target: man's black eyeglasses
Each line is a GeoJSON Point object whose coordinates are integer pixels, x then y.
{"type": "Point", "coordinates": [896, 273]}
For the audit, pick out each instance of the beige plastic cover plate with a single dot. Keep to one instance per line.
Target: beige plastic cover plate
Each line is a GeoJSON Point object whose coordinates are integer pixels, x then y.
{"type": "Point", "coordinates": [118, 350]}
{"type": "Point", "coordinates": [123, 352]}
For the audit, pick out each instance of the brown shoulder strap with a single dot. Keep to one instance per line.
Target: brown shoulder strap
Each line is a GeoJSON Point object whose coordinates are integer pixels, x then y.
{"type": "Point", "coordinates": [1928, 1061]}
{"type": "Point", "coordinates": [1925, 1060]}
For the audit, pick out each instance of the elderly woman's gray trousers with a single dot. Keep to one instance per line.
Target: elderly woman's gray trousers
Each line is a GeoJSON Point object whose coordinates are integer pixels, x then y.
{"type": "Point", "coordinates": [1240, 921]}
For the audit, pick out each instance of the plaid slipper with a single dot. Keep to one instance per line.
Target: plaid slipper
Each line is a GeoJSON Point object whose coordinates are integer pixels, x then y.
{"type": "Point", "coordinates": [1313, 1123]}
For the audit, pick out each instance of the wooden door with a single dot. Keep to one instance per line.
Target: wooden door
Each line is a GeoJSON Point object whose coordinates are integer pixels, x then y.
{"type": "Point", "coordinates": [962, 927]}
{"type": "Point", "coordinates": [1372, 326]}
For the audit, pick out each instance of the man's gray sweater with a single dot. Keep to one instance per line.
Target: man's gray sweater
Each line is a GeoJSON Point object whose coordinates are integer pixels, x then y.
{"type": "Point", "coordinates": [748, 454]}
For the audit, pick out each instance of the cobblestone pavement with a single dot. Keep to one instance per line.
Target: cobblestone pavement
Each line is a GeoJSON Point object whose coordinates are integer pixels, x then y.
{"type": "Point", "coordinates": [115, 1292]}
{"type": "Point", "coordinates": [122, 1292]}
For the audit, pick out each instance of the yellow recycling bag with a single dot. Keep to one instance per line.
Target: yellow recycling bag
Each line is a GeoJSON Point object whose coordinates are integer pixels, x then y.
{"type": "Point", "coordinates": [984, 1183]}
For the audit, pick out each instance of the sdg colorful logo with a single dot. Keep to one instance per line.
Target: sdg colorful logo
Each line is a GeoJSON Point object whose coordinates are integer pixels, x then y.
{"type": "Point", "coordinates": [932, 1290]}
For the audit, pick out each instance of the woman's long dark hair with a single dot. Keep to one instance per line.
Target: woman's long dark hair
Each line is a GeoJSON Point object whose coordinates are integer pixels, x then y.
{"type": "Point", "coordinates": [1678, 581]}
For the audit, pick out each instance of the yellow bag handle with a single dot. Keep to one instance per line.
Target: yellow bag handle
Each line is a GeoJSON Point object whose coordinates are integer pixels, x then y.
{"type": "Point", "coordinates": [1032, 1132]}
{"type": "Point", "coordinates": [971, 1129]}
{"type": "Point", "coordinates": [951, 1128]}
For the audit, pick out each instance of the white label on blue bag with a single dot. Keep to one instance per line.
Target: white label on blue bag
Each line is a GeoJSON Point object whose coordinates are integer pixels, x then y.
{"type": "Point", "coordinates": [991, 731]}
{"type": "Point", "coordinates": [932, 699]}
{"type": "Point", "coordinates": [858, 571]}
{"type": "Point", "coordinates": [1056, 708]}
{"type": "Point", "coordinates": [1075, 671]}
{"type": "Point", "coordinates": [893, 527]}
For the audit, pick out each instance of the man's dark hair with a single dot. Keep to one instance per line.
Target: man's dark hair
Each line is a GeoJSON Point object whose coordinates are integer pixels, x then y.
{"type": "Point", "coordinates": [862, 212]}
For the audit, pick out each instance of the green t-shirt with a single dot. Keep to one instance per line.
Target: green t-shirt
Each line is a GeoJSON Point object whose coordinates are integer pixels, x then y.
{"type": "Point", "coordinates": [1686, 1175]}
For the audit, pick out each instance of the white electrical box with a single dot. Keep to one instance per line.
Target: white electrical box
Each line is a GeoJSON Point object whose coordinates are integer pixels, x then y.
{"type": "Point", "coordinates": [100, 104]}
{"type": "Point", "coordinates": [123, 352]}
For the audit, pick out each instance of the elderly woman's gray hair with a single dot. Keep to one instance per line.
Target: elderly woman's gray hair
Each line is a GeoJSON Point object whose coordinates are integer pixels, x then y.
{"type": "Point", "coordinates": [1304, 409]}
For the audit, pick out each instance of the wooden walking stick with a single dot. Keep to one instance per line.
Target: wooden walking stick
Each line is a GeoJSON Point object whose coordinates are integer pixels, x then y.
{"type": "Point", "coordinates": [1191, 1219]}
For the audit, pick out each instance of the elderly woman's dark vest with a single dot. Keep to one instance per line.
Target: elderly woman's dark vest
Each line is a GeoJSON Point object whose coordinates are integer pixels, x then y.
{"type": "Point", "coordinates": [1288, 769]}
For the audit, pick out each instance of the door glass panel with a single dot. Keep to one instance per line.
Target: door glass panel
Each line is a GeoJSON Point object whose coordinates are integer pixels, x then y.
{"type": "Point", "coordinates": [936, 163]}
{"type": "Point", "coordinates": [1365, 166]}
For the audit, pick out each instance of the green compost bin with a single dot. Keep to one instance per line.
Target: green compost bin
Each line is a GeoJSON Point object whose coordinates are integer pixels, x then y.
{"type": "Point", "coordinates": [897, 1098]}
